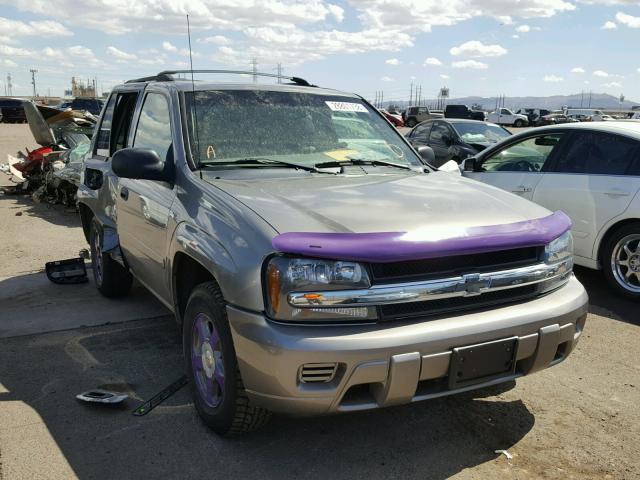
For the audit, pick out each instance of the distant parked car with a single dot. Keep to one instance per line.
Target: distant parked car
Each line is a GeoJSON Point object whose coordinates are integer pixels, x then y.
{"type": "Point", "coordinates": [463, 111]}
{"type": "Point", "coordinates": [414, 115]}
{"type": "Point", "coordinates": [504, 116]}
{"type": "Point", "coordinates": [396, 120]}
{"type": "Point", "coordinates": [12, 111]}
{"type": "Point", "coordinates": [63, 105]}
{"type": "Point", "coordinates": [555, 118]}
{"type": "Point", "coordinates": [590, 171]}
{"type": "Point", "coordinates": [586, 114]}
{"type": "Point", "coordinates": [91, 105]}
{"type": "Point", "coordinates": [456, 139]}
{"type": "Point", "coordinates": [533, 115]}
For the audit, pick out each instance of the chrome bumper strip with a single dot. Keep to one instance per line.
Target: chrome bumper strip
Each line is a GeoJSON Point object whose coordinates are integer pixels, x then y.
{"type": "Point", "coordinates": [459, 286]}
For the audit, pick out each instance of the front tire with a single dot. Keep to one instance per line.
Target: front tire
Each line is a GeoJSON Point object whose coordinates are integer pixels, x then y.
{"type": "Point", "coordinates": [620, 261]}
{"type": "Point", "coordinates": [111, 278]}
{"type": "Point", "coordinates": [518, 123]}
{"type": "Point", "coordinates": [216, 385]}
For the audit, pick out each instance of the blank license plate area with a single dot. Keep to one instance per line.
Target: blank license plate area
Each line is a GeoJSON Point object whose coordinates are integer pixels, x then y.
{"type": "Point", "coordinates": [482, 362]}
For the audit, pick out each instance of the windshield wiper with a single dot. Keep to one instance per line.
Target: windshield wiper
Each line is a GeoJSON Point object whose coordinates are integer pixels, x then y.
{"type": "Point", "coordinates": [262, 161]}
{"type": "Point", "coordinates": [361, 161]}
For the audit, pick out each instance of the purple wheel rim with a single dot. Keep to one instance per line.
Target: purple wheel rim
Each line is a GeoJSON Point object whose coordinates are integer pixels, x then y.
{"type": "Point", "coordinates": [206, 360]}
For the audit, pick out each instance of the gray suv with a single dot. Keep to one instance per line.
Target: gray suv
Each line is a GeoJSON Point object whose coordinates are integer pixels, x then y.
{"type": "Point", "coordinates": [314, 262]}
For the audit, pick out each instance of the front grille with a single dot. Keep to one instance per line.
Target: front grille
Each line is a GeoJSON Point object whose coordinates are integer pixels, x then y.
{"type": "Point", "coordinates": [443, 267]}
{"type": "Point", "coordinates": [427, 308]}
{"type": "Point", "coordinates": [317, 372]}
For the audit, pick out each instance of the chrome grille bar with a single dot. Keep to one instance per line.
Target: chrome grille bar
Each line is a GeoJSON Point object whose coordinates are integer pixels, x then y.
{"type": "Point", "coordinates": [459, 286]}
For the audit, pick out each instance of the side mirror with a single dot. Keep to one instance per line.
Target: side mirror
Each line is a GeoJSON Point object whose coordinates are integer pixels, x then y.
{"type": "Point", "coordinates": [427, 154]}
{"type": "Point", "coordinates": [450, 167]}
{"type": "Point", "coordinates": [140, 164]}
{"type": "Point", "coordinates": [468, 164]}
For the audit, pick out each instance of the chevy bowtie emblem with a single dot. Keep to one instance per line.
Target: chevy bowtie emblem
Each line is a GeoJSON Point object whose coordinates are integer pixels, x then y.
{"type": "Point", "coordinates": [472, 284]}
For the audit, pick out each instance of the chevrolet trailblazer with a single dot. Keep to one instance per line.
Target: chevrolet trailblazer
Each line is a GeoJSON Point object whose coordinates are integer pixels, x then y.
{"type": "Point", "coordinates": [314, 261]}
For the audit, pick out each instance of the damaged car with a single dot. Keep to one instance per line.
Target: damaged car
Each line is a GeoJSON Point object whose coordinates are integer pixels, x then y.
{"type": "Point", "coordinates": [51, 172]}
{"type": "Point", "coordinates": [314, 273]}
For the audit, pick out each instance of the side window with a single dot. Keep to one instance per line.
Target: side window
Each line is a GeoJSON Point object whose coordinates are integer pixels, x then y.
{"type": "Point", "coordinates": [598, 154]}
{"type": "Point", "coordinates": [421, 132]}
{"type": "Point", "coordinates": [437, 132]}
{"type": "Point", "coordinates": [423, 110]}
{"type": "Point", "coordinates": [529, 155]}
{"type": "Point", "coordinates": [504, 111]}
{"type": "Point", "coordinates": [104, 132]}
{"type": "Point", "coordinates": [154, 126]}
{"type": "Point", "coordinates": [122, 117]}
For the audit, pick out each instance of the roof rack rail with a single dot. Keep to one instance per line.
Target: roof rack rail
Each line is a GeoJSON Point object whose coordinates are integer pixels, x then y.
{"type": "Point", "coordinates": [167, 76]}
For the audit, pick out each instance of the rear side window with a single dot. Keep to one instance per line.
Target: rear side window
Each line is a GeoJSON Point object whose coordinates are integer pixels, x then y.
{"type": "Point", "coordinates": [116, 123]}
{"type": "Point", "coordinates": [154, 126]}
{"type": "Point", "coordinates": [421, 132]}
{"type": "Point", "coordinates": [104, 133]}
{"type": "Point", "coordinates": [599, 154]}
{"type": "Point", "coordinates": [438, 131]}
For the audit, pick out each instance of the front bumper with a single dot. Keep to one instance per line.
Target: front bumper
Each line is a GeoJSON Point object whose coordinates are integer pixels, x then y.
{"type": "Point", "coordinates": [396, 362]}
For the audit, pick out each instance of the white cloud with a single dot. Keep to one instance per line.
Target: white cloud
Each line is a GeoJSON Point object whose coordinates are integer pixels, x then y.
{"type": "Point", "coordinates": [387, 79]}
{"type": "Point", "coordinates": [523, 29]}
{"type": "Point", "coordinates": [444, 76]}
{"type": "Point", "coordinates": [421, 15]}
{"type": "Point", "coordinates": [473, 64]}
{"type": "Point", "coordinates": [577, 70]}
{"type": "Point", "coordinates": [169, 47]}
{"type": "Point", "coordinates": [16, 28]}
{"type": "Point", "coordinates": [552, 78]}
{"type": "Point", "coordinates": [5, 62]}
{"type": "Point", "coordinates": [516, 36]}
{"type": "Point", "coordinates": [215, 39]}
{"type": "Point", "coordinates": [609, 25]}
{"type": "Point", "coordinates": [432, 62]}
{"type": "Point", "coordinates": [392, 61]}
{"type": "Point", "coordinates": [477, 49]}
{"type": "Point", "coordinates": [612, 85]}
{"type": "Point", "coordinates": [600, 73]}
{"type": "Point", "coordinates": [121, 56]}
{"type": "Point", "coordinates": [628, 20]}
{"type": "Point", "coordinates": [336, 11]}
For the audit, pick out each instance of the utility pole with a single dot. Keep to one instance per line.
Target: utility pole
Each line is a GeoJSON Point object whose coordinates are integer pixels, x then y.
{"type": "Point", "coordinates": [9, 85]}
{"type": "Point", "coordinates": [279, 73]}
{"type": "Point", "coordinates": [420, 96]}
{"type": "Point", "coordinates": [375, 99]}
{"type": "Point", "coordinates": [33, 81]}
{"type": "Point", "coordinates": [411, 95]}
{"type": "Point", "coordinates": [254, 68]}
{"type": "Point", "coordinates": [381, 98]}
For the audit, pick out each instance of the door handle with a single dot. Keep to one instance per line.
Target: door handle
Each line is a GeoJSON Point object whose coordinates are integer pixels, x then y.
{"type": "Point", "coordinates": [124, 193]}
{"type": "Point", "coordinates": [522, 189]}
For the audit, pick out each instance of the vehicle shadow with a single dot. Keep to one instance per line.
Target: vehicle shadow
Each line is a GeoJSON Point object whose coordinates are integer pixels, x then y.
{"type": "Point", "coordinates": [603, 301]}
{"type": "Point", "coordinates": [23, 204]}
{"type": "Point", "coordinates": [433, 439]}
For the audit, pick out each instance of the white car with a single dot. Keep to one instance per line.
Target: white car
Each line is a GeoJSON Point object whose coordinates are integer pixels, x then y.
{"type": "Point", "coordinates": [591, 171]}
{"type": "Point", "coordinates": [504, 116]}
{"type": "Point", "coordinates": [586, 114]}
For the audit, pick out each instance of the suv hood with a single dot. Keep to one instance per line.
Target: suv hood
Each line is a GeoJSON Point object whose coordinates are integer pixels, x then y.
{"type": "Point", "coordinates": [376, 203]}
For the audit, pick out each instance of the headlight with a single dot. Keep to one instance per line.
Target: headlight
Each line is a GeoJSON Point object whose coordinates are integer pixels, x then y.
{"type": "Point", "coordinates": [285, 275]}
{"type": "Point", "coordinates": [559, 253]}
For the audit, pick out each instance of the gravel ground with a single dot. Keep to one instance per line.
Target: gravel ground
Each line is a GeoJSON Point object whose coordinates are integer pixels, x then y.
{"type": "Point", "coordinates": [580, 419]}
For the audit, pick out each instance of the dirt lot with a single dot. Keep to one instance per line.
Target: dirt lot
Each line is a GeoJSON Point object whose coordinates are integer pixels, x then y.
{"type": "Point", "coordinates": [580, 419]}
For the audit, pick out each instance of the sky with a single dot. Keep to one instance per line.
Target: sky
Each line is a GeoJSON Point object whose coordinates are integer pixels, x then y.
{"type": "Point", "coordinates": [473, 47]}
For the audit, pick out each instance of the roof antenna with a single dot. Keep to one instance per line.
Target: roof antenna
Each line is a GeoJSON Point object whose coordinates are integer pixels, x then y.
{"type": "Point", "coordinates": [193, 96]}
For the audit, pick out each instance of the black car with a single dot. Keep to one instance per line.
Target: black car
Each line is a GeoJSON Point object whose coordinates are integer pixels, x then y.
{"type": "Point", "coordinates": [463, 111]}
{"type": "Point", "coordinates": [12, 110]}
{"type": "Point", "coordinates": [456, 139]}
{"type": "Point", "coordinates": [91, 105]}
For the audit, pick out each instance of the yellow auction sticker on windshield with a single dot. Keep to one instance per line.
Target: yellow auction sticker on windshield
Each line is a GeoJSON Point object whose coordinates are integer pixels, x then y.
{"type": "Point", "coordinates": [346, 107]}
{"type": "Point", "coordinates": [340, 155]}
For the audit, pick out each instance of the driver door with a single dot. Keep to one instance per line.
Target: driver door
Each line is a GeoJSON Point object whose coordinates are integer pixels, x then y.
{"type": "Point", "coordinates": [519, 167]}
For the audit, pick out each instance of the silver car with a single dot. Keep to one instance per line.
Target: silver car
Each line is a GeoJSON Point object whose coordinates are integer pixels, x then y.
{"type": "Point", "coordinates": [314, 261]}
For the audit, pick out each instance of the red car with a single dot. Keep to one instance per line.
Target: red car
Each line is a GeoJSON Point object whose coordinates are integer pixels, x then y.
{"type": "Point", "coordinates": [396, 120]}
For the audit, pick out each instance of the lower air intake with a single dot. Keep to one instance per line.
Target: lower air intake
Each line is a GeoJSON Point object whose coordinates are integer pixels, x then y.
{"type": "Point", "coordinates": [317, 372]}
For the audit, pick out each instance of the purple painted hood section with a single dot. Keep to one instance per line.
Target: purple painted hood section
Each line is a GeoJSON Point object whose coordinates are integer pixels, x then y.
{"type": "Point", "coordinates": [388, 247]}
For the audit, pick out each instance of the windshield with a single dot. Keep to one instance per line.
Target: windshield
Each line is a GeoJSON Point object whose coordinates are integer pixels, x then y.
{"type": "Point", "coordinates": [288, 126]}
{"type": "Point", "coordinates": [480, 132]}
